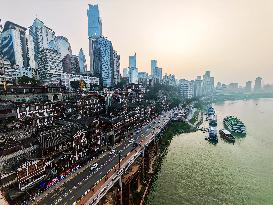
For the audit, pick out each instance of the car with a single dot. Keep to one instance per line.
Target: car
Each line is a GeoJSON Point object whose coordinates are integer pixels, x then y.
{"type": "Point", "coordinates": [94, 166]}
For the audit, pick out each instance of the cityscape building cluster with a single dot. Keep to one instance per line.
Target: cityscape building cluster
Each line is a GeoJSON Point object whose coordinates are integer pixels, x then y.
{"type": "Point", "coordinates": [70, 109]}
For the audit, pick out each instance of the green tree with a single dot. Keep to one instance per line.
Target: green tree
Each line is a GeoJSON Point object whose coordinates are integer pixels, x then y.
{"type": "Point", "coordinates": [75, 85]}
{"type": "Point", "coordinates": [24, 80]}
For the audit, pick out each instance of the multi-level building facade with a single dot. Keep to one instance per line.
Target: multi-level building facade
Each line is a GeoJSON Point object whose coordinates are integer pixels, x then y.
{"type": "Point", "coordinates": [169, 80]}
{"type": "Point", "coordinates": [133, 70]}
{"type": "Point", "coordinates": [82, 62]}
{"type": "Point", "coordinates": [198, 87]}
{"type": "Point", "coordinates": [186, 89]}
{"type": "Point", "coordinates": [208, 84]}
{"type": "Point", "coordinates": [248, 86]}
{"type": "Point", "coordinates": [50, 66]}
{"type": "Point", "coordinates": [94, 30]}
{"type": "Point", "coordinates": [258, 84]}
{"type": "Point", "coordinates": [75, 66]}
{"type": "Point", "coordinates": [116, 59]}
{"type": "Point", "coordinates": [62, 45]}
{"type": "Point", "coordinates": [103, 61]}
{"type": "Point", "coordinates": [17, 46]}
{"type": "Point", "coordinates": [156, 72]}
{"type": "Point", "coordinates": [42, 36]}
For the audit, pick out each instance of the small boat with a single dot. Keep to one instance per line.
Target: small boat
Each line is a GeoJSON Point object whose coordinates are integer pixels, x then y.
{"type": "Point", "coordinates": [226, 135]}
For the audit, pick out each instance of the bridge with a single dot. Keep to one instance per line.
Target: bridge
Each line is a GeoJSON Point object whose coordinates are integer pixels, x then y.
{"type": "Point", "coordinates": [89, 186]}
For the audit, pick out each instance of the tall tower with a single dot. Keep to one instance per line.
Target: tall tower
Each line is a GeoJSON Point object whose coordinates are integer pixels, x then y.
{"type": "Point", "coordinates": [258, 84]}
{"type": "Point", "coordinates": [94, 30]}
{"type": "Point", "coordinates": [153, 67]}
{"type": "Point", "coordinates": [133, 71]}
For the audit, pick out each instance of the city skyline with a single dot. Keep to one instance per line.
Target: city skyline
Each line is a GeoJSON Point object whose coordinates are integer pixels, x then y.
{"type": "Point", "coordinates": [185, 48]}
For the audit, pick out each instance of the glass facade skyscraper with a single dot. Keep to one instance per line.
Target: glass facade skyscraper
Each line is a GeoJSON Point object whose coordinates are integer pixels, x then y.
{"type": "Point", "coordinates": [94, 21]}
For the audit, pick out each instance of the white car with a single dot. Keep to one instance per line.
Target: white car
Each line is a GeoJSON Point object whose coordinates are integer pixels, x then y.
{"type": "Point", "coordinates": [94, 166]}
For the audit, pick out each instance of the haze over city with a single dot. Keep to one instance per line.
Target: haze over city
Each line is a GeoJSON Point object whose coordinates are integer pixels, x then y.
{"type": "Point", "coordinates": [233, 39]}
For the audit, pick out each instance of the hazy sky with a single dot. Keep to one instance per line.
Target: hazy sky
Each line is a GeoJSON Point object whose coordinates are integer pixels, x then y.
{"type": "Point", "coordinates": [232, 38]}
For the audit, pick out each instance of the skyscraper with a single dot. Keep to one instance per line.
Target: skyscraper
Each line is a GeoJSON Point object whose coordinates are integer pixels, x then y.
{"type": "Point", "coordinates": [17, 46]}
{"type": "Point", "coordinates": [62, 45]}
{"type": "Point", "coordinates": [116, 63]}
{"type": "Point", "coordinates": [82, 62]}
{"type": "Point", "coordinates": [258, 84]}
{"type": "Point", "coordinates": [125, 72]}
{"type": "Point", "coordinates": [248, 87]}
{"type": "Point", "coordinates": [103, 61]}
{"type": "Point", "coordinates": [133, 71]}
{"type": "Point", "coordinates": [153, 67]}
{"type": "Point", "coordinates": [50, 66]}
{"type": "Point", "coordinates": [94, 30]}
{"type": "Point", "coordinates": [186, 89]}
{"type": "Point", "coordinates": [208, 84]}
{"type": "Point", "coordinates": [94, 22]}
{"type": "Point", "coordinates": [132, 61]}
{"type": "Point", "coordinates": [42, 36]}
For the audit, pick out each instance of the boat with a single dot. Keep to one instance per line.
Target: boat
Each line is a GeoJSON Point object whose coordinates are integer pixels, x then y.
{"type": "Point", "coordinates": [234, 125]}
{"type": "Point", "coordinates": [226, 135]}
{"type": "Point", "coordinates": [212, 134]}
{"type": "Point", "coordinates": [213, 120]}
{"type": "Point", "coordinates": [210, 111]}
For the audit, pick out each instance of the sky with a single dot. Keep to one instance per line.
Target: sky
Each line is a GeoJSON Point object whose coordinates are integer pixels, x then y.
{"type": "Point", "coordinates": [231, 38]}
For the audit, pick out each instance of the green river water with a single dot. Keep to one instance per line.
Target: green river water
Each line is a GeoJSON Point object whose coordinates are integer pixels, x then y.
{"type": "Point", "coordinates": [197, 172]}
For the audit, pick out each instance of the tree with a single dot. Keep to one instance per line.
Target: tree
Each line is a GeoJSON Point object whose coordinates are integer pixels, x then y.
{"type": "Point", "coordinates": [75, 85]}
{"type": "Point", "coordinates": [24, 80]}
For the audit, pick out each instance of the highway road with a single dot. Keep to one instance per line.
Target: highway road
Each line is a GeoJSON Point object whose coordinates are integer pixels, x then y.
{"type": "Point", "coordinates": [71, 191]}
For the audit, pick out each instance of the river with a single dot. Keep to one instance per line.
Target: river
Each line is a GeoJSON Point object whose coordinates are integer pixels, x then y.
{"type": "Point", "coordinates": [197, 172]}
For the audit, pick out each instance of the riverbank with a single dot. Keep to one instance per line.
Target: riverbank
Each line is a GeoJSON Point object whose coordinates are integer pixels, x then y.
{"type": "Point", "coordinates": [174, 128]}
{"type": "Point", "coordinates": [241, 96]}
{"type": "Point", "coordinates": [192, 168]}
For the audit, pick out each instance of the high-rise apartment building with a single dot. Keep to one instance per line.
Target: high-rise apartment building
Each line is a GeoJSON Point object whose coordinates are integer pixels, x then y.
{"type": "Point", "coordinates": [103, 61]}
{"type": "Point", "coordinates": [75, 66]}
{"type": "Point", "coordinates": [62, 45]}
{"type": "Point", "coordinates": [248, 87]}
{"type": "Point", "coordinates": [50, 66]}
{"type": "Point", "coordinates": [186, 89]}
{"type": "Point", "coordinates": [116, 63]}
{"type": "Point", "coordinates": [258, 84]}
{"type": "Point", "coordinates": [198, 87]}
{"type": "Point", "coordinates": [42, 36]}
{"type": "Point", "coordinates": [17, 46]}
{"type": "Point", "coordinates": [207, 84]}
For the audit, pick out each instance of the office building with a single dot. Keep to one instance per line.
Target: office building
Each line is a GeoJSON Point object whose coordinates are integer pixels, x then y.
{"type": "Point", "coordinates": [133, 71]}
{"type": "Point", "coordinates": [94, 30]}
{"type": "Point", "coordinates": [153, 67]}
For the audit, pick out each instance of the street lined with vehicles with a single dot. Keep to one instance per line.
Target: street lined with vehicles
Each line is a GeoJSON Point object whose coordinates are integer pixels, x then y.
{"type": "Point", "coordinates": [104, 167]}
